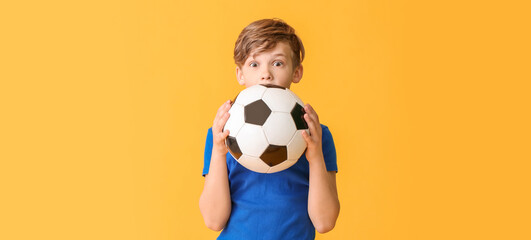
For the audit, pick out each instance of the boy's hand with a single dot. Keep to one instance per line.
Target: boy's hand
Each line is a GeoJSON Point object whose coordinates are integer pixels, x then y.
{"type": "Point", "coordinates": [217, 128]}
{"type": "Point", "coordinates": [314, 139]}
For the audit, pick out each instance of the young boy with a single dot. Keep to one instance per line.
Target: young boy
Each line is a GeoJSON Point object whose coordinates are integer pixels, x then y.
{"type": "Point", "coordinates": [289, 204]}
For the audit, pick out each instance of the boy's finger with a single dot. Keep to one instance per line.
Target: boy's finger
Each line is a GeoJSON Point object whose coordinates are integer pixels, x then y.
{"type": "Point", "coordinates": [223, 120]}
{"type": "Point", "coordinates": [219, 124]}
{"type": "Point", "coordinates": [215, 124]}
{"type": "Point", "coordinates": [310, 122]}
{"type": "Point", "coordinates": [309, 109]}
{"type": "Point", "coordinates": [315, 116]}
{"type": "Point", "coordinates": [315, 128]}
{"type": "Point", "coordinates": [225, 108]}
{"type": "Point", "coordinates": [311, 117]}
{"type": "Point", "coordinates": [226, 133]}
{"type": "Point", "coordinates": [306, 137]}
{"type": "Point", "coordinates": [222, 108]}
{"type": "Point", "coordinates": [222, 135]}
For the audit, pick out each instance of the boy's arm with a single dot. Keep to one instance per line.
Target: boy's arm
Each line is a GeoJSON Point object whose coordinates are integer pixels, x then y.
{"type": "Point", "coordinates": [323, 201]}
{"type": "Point", "coordinates": [215, 201]}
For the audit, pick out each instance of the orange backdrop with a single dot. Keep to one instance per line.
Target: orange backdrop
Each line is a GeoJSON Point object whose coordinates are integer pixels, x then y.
{"type": "Point", "coordinates": [105, 105]}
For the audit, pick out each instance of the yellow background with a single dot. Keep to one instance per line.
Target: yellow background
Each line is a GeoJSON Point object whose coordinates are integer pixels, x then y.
{"type": "Point", "coordinates": [104, 107]}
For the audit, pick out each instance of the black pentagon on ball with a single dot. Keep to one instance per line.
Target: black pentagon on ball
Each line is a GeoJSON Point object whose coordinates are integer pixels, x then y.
{"type": "Point", "coordinates": [234, 149]}
{"type": "Point", "coordinates": [274, 155]}
{"type": "Point", "coordinates": [297, 113]}
{"type": "Point", "coordinates": [256, 112]}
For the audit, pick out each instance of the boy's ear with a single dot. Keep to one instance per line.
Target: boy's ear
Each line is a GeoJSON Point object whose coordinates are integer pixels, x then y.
{"type": "Point", "coordinates": [297, 74]}
{"type": "Point", "coordinates": [239, 76]}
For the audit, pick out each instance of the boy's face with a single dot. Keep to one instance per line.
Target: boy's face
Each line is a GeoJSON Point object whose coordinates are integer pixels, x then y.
{"type": "Point", "coordinates": [273, 66]}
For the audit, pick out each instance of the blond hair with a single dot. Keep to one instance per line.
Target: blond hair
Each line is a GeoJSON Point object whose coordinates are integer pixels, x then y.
{"type": "Point", "coordinates": [263, 35]}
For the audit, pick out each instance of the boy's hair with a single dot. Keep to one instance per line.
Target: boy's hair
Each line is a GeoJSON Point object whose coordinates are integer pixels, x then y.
{"type": "Point", "coordinates": [263, 35]}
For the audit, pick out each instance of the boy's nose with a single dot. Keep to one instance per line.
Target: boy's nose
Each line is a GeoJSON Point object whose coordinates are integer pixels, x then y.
{"type": "Point", "coordinates": [266, 75]}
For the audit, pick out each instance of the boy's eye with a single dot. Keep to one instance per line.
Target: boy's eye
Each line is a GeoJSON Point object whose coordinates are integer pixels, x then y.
{"type": "Point", "coordinates": [278, 64]}
{"type": "Point", "coordinates": [253, 64]}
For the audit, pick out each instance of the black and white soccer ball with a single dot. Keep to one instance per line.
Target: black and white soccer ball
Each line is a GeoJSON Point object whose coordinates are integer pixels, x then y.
{"type": "Point", "coordinates": [266, 124]}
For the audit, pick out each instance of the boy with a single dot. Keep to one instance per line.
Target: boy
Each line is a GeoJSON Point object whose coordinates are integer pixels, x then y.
{"type": "Point", "coordinates": [289, 204]}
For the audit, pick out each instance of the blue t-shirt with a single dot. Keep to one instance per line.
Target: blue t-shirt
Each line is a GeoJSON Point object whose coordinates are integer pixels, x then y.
{"type": "Point", "coordinates": [274, 205]}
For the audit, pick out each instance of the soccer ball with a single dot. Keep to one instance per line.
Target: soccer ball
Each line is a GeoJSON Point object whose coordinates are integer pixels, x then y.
{"type": "Point", "coordinates": [266, 124]}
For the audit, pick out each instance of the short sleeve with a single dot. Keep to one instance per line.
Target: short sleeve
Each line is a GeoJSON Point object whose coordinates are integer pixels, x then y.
{"type": "Point", "coordinates": [208, 152]}
{"type": "Point", "coordinates": [329, 150]}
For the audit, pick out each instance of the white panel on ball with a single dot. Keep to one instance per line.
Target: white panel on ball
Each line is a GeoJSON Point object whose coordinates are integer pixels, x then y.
{"type": "Point", "coordinates": [254, 164]}
{"type": "Point", "coordinates": [296, 97]}
{"type": "Point", "coordinates": [282, 166]}
{"type": "Point", "coordinates": [279, 100]}
{"type": "Point", "coordinates": [279, 128]}
{"type": "Point", "coordinates": [236, 119]}
{"type": "Point", "coordinates": [297, 145]}
{"type": "Point", "coordinates": [250, 94]}
{"type": "Point", "coordinates": [252, 140]}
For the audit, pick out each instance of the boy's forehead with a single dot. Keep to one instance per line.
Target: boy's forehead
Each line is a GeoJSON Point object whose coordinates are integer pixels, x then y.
{"type": "Point", "coordinates": [281, 54]}
{"type": "Point", "coordinates": [281, 49]}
